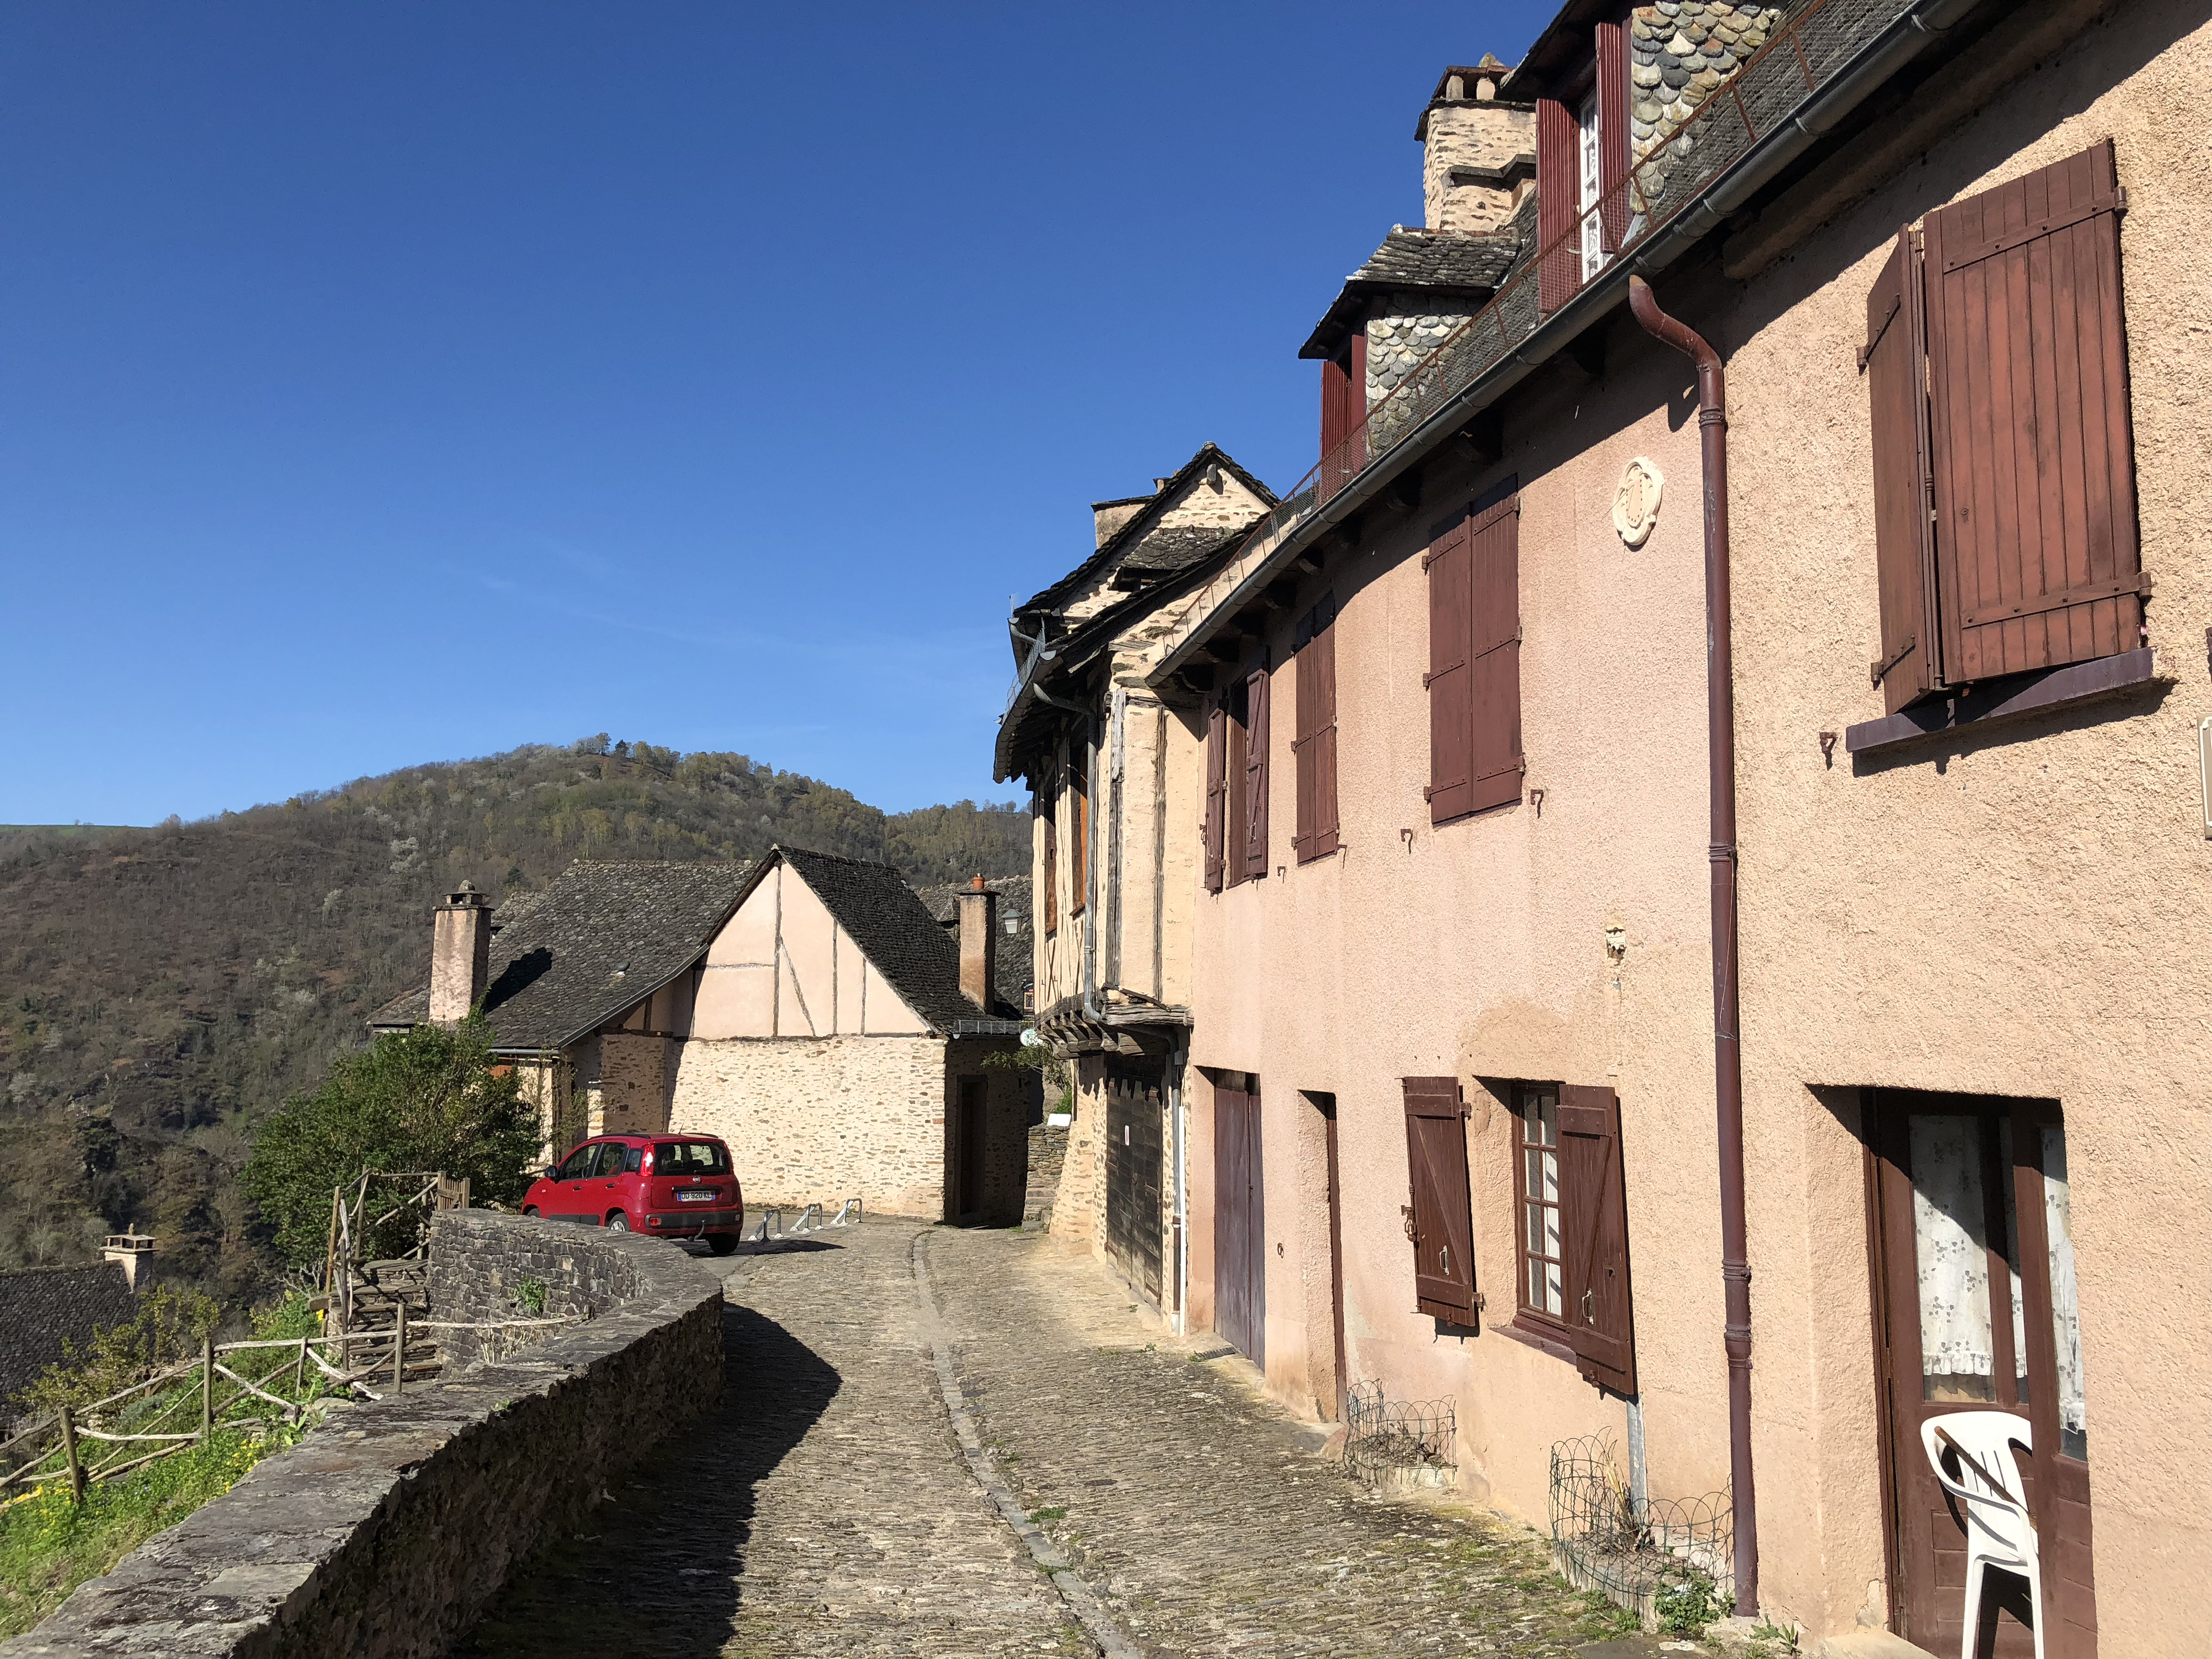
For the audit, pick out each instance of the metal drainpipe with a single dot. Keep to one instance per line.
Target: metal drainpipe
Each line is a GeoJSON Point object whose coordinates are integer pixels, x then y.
{"type": "Point", "coordinates": [1728, 1049]}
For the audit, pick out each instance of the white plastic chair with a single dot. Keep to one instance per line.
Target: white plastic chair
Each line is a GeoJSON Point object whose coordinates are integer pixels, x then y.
{"type": "Point", "coordinates": [1999, 1533]}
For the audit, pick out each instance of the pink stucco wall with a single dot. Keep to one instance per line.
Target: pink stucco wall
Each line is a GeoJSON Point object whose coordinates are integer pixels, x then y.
{"type": "Point", "coordinates": [2012, 914]}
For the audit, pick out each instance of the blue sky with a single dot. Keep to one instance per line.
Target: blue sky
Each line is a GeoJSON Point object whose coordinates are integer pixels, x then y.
{"type": "Point", "coordinates": [393, 383]}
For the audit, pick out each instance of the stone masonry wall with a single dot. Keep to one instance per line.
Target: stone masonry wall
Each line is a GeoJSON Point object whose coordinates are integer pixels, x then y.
{"type": "Point", "coordinates": [386, 1531]}
{"type": "Point", "coordinates": [479, 1266]}
{"type": "Point", "coordinates": [633, 1084]}
{"type": "Point", "coordinates": [1047, 1153]}
{"type": "Point", "coordinates": [820, 1119]}
{"type": "Point", "coordinates": [1484, 135]}
{"type": "Point", "coordinates": [1078, 1212]}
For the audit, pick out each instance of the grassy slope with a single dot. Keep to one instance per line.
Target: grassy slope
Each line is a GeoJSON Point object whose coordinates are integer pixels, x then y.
{"type": "Point", "coordinates": [161, 989]}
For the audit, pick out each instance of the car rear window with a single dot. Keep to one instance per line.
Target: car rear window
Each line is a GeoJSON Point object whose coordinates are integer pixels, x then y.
{"type": "Point", "coordinates": [684, 1157]}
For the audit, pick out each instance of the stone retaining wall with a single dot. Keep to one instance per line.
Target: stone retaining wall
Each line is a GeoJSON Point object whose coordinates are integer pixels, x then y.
{"type": "Point", "coordinates": [386, 1530]}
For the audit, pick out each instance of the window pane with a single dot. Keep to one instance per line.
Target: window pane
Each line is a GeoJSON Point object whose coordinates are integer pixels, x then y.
{"type": "Point", "coordinates": [1532, 1178]}
{"type": "Point", "coordinates": [1536, 1283]}
{"type": "Point", "coordinates": [1546, 1121]}
{"type": "Point", "coordinates": [2065, 1304]}
{"type": "Point", "coordinates": [1957, 1348]}
{"type": "Point", "coordinates": [1553, 1300]}
{"type": "Point", "coordinates": [1552, 1229]}
{"type": "Point", "coordinates": [1550, 1188]}
{"type": "Point", "coordinates": [1534, 1234]}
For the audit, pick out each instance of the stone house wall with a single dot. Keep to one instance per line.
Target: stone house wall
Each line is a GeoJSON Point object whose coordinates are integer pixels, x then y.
{"type": "Point", "coordinates": [633, 1096]}
{"type": "Point", "coordinates": [819, 1120]}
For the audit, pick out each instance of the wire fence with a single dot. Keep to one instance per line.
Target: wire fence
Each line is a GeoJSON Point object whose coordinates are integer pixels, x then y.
{"type": "Point", "coordinates": [1770, 87]}
{"type": "Point", "coordinates": [1386, 1441]}
{"type": "Point", "coordinates": [1668, 1560]}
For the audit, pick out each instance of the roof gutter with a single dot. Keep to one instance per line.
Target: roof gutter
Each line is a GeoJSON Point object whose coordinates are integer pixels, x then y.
{"type": "Point", "coordinates": [1904, 38]}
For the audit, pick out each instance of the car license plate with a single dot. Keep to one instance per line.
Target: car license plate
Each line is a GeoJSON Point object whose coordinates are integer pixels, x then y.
{"type": "Point", "coordinates": [706, 1197]}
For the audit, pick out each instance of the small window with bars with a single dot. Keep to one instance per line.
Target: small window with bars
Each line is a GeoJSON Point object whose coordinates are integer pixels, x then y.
{"type": "Point", "coordinates": [1543, 1255]}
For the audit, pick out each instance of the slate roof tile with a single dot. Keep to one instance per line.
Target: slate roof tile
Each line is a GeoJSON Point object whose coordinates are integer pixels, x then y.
{"type": "Point", "coordinates": [1446, 263]}
{"type": "Point", "coordinates": [42, 1308]}
{"type": "Point", "coordinates": [895, 930]}
{"type": "Point", "coordinates": [556, 955]}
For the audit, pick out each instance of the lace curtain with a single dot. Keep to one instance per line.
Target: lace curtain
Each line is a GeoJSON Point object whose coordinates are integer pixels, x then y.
{"type": "Point", "coordinates": [1958, 1350]}
{"type": "Point", "coordinates": [2065, 1302]}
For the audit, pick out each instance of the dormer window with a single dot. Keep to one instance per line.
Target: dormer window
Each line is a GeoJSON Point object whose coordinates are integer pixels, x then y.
{"type": "Point", "coordinates": [1591, 189]}
{"type": "Point", "coordinates": [1582, 211]}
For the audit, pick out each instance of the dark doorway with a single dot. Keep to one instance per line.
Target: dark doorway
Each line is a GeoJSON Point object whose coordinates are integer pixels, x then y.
{"type": "Point", "coordinates": [969, 1144]}
{"type": "Point", "coordinates": [1133, 1118]}
{"type": "Point", "coordinates": [1973, 1273]}
{"type": "Point", "coordinates": [1240, 1255]}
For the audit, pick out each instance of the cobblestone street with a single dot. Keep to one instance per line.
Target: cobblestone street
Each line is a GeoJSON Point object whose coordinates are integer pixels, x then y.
{"type": "Point", "coordinates": [826, 1506]}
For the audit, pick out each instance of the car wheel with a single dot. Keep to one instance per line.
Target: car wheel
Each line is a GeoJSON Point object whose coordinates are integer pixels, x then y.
{"type": "Point", "coordinates": [530, 1209]}
{"type": "Point", "coordinates": [722, 1244]}
{"type": "Point", "coordinates": [619, 1222]}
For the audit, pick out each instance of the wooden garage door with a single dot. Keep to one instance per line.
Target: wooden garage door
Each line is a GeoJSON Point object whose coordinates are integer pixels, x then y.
{"type": "Point", "coordinates": [1133, 1181]}
{"type": "Point", "coordinates": [1240, 1260]}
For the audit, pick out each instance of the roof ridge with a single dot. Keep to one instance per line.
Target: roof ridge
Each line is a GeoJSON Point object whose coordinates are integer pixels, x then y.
{"type": "Point", "coordinates": [836, 858]}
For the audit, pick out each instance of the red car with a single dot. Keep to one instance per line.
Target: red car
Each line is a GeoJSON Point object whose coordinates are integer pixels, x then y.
{"type": "Point", "coordinates": [676, 1186]}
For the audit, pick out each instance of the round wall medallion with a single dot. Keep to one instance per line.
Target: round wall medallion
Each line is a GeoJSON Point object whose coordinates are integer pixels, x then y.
{"type": "Point", "coordinates": [1636, 507]}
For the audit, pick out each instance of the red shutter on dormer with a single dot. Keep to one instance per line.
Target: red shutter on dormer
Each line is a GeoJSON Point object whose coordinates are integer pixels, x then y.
{"type": "Point", "coordinates": [1332, 383]}
{"type": "Point", "coordinates": [1611, 135]}
{"type": "Point", "coordinates": [1558, 197]}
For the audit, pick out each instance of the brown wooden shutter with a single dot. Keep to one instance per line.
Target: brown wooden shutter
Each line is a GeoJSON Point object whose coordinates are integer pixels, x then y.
{"type": "Point", "coordinates": [1052, 864]}
{"type": "Point", "coordinates": [1256, 774]}
{"type": "Point", "coordinates": [1440, 1221]}
{"type": "Point", "coordinates": [1905, 543]}
{"type": "Point", "coordinates": [1314, 744]}
{"type": "Point", "coordinates": [1495, 763]}
{"type": "Point", "coordinates": [1216, 807]}
{"type": "Point", "coordinates": [1594, 1222]}
{"type": "Point", "coordinates": [1078, 863]}
{"type": "Point", "coordinates": [1612, 136]}
{"type": "Point", "coordinates": [2034, 453]}
{"type": "Point", "coordinates": [1558, 198]}
{"type": "Point", "coordinates": [1451, 678]}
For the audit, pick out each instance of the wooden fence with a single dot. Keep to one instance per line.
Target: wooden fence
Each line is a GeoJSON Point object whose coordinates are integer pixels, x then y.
{"type": "Point", "coordinates": [228, 1385]}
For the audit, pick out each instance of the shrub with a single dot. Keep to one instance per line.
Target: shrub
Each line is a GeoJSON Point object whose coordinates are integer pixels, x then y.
{"type": "Point", "coordinates": [427, 1099]}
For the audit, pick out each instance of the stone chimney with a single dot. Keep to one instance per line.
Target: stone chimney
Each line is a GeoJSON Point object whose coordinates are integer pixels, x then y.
{"type": "Point", "coordinates": [460, 955]}
{"type": "Point", "coordinates": [1107, 517]}
{"type": "Point", "coordinates": [134, 1252]}
{"type": "Point", "coordinates": [1477, 152]}
{"type": "Point", "coordinates": [979, 945]}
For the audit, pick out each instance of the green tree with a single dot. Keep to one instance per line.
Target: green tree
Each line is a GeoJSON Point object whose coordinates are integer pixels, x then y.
{"type": "Point", "coordinates": [427, 1099]}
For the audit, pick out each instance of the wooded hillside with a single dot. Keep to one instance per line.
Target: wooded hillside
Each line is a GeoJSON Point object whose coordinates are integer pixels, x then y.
{"type": "Point", "coordinates": [160, 990]}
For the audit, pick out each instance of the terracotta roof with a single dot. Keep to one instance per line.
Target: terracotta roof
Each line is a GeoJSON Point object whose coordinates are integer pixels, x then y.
{"type": "Point", "coordinates": [1448, 263]}
{"type": "Point", "coordinates": [895, 930]}
{"type": "Point", "coordinates": [45, 1307]}
{"type": "Point", "coordinates": [603, 934]}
